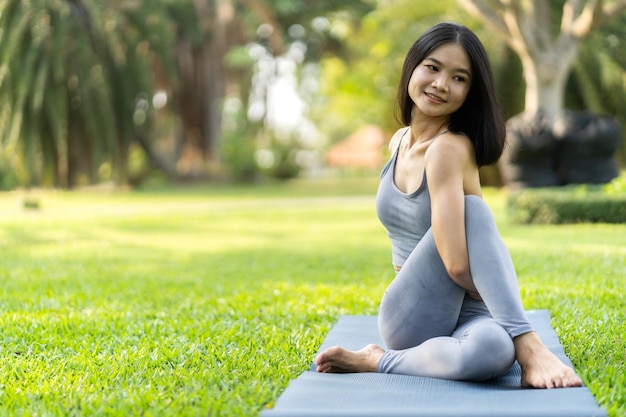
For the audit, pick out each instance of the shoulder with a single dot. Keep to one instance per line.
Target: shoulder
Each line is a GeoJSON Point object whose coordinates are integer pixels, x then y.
{"type": "Point", "coordinates": [451, 149]}
{"type": "Point", "coordinates": [395, 139]}
{"type": "Point", "coordinates": [451, 155]}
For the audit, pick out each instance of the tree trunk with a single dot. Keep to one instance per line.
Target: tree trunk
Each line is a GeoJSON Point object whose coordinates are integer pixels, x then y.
{"type": "Point", "coordinates": [546, 74]}
{"type": "Point", "coordinates": [215, 88]}
{"type": "Point", "coordinates": [201, 91]}
{"type": "Point", "coordinates": [546, 59]}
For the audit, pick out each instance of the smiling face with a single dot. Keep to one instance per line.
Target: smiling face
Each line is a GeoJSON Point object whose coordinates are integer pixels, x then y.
{"type": "Point", "coordinates": [440, 83]}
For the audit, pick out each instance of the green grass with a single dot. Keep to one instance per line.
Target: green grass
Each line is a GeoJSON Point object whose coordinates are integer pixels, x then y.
{"type": "Point", "coordinates": [208, 301]}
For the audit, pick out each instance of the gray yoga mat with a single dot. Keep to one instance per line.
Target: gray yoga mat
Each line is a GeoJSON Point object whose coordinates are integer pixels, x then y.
{"type": "Point", "coordinates": [373, 394]}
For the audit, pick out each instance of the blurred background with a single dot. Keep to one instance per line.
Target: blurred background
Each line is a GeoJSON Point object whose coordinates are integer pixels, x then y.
{"type": "Point", "coordinates": [134, 93]}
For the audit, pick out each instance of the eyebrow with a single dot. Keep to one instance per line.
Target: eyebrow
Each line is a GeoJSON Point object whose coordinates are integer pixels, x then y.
{"type": "Point", "coordinates": [436, 61]}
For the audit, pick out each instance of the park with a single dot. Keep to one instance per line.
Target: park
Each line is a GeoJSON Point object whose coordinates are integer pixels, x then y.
{"type": "Point", "coordinates": [208, 302]}
{"type": "Point", "coordinates": [172, 245]}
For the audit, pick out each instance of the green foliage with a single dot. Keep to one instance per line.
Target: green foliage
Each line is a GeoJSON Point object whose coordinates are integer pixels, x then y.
{"type": "Point", "coordinates": [302, 32]}
{"type": "Point", "coordinates": [296, 23]}
{"type": "Point", "coordinates": [507, 69]}
{"type": "Point", "coordinates": [617, 186]}
{"type": "Point", "coordinates": [570, 204]}
{"type": "Point", "coordinates": [8, 177]}
{"type": "Point", "coordinates": [238, 147]}
{"type": "Point", "coordinates": [74, 77]}
{"type": "Point", "coordinates": [598, 81]}
{"type": "Point", "coordinates": [284, 164]}
{"type": "Point", "coordinates": [208, 301]}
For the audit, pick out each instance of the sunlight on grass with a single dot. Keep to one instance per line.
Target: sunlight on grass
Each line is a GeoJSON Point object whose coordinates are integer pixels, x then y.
{"type": "Point", "coordinates": [208, 301]}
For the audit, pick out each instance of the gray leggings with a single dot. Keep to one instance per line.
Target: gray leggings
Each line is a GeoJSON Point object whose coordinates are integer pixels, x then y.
{"type": "Point", "coordinates": [433, 329]}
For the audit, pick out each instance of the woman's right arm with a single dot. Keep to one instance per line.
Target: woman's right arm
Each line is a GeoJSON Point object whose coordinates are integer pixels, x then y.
{"type": "Point", "coordinates": [447, 161]}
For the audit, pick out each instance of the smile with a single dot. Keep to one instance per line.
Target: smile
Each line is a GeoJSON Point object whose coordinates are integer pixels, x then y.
{"type": "Point", "coordinates": [434, 97]}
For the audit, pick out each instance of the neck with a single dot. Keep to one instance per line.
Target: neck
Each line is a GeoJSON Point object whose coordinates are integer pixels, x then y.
{"type": "Point", "coordinates": [425, 130]}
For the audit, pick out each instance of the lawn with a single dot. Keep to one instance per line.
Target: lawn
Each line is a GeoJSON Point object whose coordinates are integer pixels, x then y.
{"type": "Point", "coordinates": [209, 300]}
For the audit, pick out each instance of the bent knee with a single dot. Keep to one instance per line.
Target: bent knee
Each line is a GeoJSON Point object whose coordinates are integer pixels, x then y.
{"type": "Point", "coordinates": [494, 352]}
{"type": "Point", "coordinates": [478, 213]}
{"type": "Point", "coordinates": [475, 204]}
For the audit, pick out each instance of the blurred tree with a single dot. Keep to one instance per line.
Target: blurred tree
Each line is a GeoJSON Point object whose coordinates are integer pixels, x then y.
{"type": "Point", "coordinates": [74, 77]}
{"type": "Point", "coordinates": [550, 144]}
{"type": "Point", "coordinates": [547, 46]}
{"type": "Point", "coordinates": [286, 38]}
{"type": "Point", "coordinates": [203, 32]}
{"type": "Point", "coordinates": [77, 78]}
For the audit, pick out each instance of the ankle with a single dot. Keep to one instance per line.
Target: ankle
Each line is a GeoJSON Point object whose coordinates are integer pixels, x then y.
{"type": "Point", "coordinates": [527, 345]}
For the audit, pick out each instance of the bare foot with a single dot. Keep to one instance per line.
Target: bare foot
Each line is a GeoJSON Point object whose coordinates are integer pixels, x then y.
{"type": "Point", "coordinates": [339, 360]}
{"type": "Point", "coordinates": [540, 367]}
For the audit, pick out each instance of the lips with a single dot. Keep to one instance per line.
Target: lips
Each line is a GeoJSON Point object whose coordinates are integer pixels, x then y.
{"type": "Point", "coordinates": [435, 97]}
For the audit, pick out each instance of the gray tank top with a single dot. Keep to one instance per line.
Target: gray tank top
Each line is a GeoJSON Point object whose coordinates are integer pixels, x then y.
{"type": "Point", "coordinates": [405, 216]}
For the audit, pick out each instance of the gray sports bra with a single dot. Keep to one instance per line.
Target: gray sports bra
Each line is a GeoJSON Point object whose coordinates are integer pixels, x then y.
{"type": "Point", "coordinates": [405, 216]}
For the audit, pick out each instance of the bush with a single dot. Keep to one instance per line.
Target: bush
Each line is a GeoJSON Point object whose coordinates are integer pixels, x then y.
{"type": "Point", "coordinates": [239, 140]}
{"type": "Point", "coordinates": [570, 204]}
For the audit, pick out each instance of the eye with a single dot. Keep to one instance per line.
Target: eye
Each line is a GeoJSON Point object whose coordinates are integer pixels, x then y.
{"type": "Point", "coordinates": [459, 78]}
{"type": "Point", "coordinates": [431, 67]}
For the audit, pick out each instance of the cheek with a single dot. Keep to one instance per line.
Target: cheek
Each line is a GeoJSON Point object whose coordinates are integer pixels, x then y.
{"type": "Point", "coordinates": [412, 89]}
{"type": "Point", "coordinates": [415, 82]}
{"type": "Point", "coordinates": [411, 82]}
{"type": "Point", "coordinates": [462, 93]}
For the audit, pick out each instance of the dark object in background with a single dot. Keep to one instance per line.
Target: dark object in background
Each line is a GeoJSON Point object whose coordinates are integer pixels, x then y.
{"type": "Point", "coordinates": [578, 148]}
{"type": "Point", "coordinates": [529, 157]}
{"type": "Point", "coordinates": [586, 148]}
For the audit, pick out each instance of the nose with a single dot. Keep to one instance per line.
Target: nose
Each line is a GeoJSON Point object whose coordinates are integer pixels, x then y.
{"type": "Point", "coordinates": [440, 83]}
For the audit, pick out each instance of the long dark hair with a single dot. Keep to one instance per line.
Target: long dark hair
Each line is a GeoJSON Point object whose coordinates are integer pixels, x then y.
{"type": "Point", "coordinates": [479, 118]}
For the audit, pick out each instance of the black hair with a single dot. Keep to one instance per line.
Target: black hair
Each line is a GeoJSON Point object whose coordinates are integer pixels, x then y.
{"type": "Point", "coordinates": [479, 118]}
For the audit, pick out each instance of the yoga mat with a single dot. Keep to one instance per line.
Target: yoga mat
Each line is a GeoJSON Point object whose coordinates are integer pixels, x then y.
{"type": "Point", "coordinates": [373, 394]}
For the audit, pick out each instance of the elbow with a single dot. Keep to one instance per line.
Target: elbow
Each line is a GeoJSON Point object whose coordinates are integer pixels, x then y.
{"type": "Point", "coordinates": [459, 272]}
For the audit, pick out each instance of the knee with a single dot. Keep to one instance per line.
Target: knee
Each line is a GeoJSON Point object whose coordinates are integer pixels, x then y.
{"type": "Point", "coordinates": [477, 212]}
{"type": "Point", "coordinates": [498, 351]}
{"type": "Point", "coordinates": [489, 351]}
{"type": "Point", "coordinates": [475, 204]}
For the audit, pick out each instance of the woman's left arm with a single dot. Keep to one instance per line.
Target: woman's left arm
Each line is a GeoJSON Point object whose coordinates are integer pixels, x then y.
{"type": "Point", "coordinates": [448, 161]}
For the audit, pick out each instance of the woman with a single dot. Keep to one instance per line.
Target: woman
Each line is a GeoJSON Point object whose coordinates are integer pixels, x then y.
{"type": "Point", "coordinates": [453, 310]}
